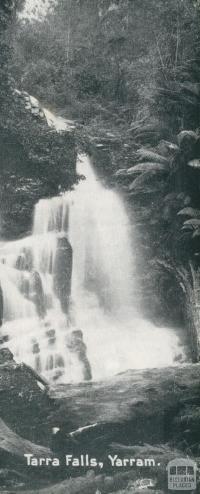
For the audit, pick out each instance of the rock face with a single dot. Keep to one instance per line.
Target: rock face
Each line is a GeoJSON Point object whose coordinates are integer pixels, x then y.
{"type": "Point", "coordinates": [62, 272]}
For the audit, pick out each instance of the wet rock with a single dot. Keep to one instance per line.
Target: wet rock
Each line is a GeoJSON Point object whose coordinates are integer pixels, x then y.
{"type": "Point", "coordinates": [25, 260]}
{"type": "Point", "coordinates": [62, 272]}
{"type": "Point", "coordinates": [5, 356]}
{"type": "Point", "coordinates": [59, 362]}
{"type": "Point", "coordinates": [24, 285]}
{"type": "Point", "coordinates": [35, 112]}
{"type": "Point", "coordinates": [4, 339]}
{"type": "Point", "coordinates": [57, 375]}
{"type": "Point", "coordinates": [1, 306]}
{"type": "Point", "coordinates": [35, 348]}
{"type": "Point", "coordinates": [37, 294]}
{"type": "Point", "coordinates": [49, 363]}
{"type": "Point", "coordinates": [51, 336]}
{"type": "Point", "coordinates": [38, 364]}
{"type": "Point", "coordinates": [36, 352]}
{"type": "Point", "coordinates": [76, 344]}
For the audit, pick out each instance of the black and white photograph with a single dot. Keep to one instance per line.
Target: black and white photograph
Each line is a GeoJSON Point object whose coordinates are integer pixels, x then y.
{"type": "Point", "coordinates": [99, 246]}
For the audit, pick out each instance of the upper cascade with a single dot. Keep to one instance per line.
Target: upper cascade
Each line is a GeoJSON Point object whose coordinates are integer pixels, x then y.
{"type": "Point", "coordinates": [35, 10]}
{"type": "Point", "coordinates": [32, 105]}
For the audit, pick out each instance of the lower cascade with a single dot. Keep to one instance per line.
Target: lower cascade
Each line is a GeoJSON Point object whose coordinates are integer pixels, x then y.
{"type": "Point", "coordinates": [69, 290]}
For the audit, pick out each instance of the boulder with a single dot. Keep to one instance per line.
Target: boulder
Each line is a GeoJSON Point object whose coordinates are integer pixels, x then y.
{"type": "Point", "coordinates": [62, 272]}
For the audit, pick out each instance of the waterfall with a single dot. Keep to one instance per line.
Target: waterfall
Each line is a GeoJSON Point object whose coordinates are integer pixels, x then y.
{"type": "Point", "coordinates": [70, 290]}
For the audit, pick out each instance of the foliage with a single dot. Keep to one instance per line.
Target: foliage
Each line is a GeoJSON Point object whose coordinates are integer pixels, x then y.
{"type": "Point", "coordinates": [117, 61]}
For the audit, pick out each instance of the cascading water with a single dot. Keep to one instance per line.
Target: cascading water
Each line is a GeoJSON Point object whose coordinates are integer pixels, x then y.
{"type": "Point", "coordinates": [69, 290]}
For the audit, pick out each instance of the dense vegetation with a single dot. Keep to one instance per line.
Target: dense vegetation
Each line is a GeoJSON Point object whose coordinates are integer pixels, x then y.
{"type": "Point", "coordinates": [111, 59]}
{"type": "Point", "coordinates": [35, 160]}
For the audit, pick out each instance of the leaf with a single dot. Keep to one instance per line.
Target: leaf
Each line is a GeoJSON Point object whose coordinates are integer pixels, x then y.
{"type": "Point", "coordinates": [191, 212]}
{"type": "Point", "coordinates": [121, 173]}
{"type": "Point", "coordinates": [148, 155]}
{"type": "Point", "coordinates": [193, 223]}
{"type": "Point", "coordinates": [146, 181]}
{"type": "Point", "coordinates": [147, 167]}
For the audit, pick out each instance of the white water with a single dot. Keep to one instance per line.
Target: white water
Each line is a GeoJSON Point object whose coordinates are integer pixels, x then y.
{"type": "Point", "coordinates": [103, 293]}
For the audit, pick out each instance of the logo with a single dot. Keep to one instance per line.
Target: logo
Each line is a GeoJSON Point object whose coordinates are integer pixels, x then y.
{"type": "Point", "coordinates": [182, 474]}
